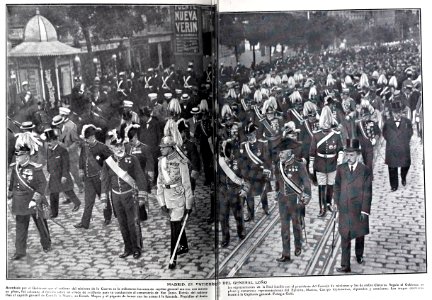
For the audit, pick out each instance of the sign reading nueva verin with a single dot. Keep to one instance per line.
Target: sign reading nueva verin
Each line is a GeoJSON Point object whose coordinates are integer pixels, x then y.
{"type": "Point", "coordinates": [186, 29]}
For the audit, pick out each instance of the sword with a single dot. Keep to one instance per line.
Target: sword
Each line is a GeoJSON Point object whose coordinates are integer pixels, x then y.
{"type": "Point", "coordinates": [178, 240]}
{"type": "Point", "coordinates": [334, 229]}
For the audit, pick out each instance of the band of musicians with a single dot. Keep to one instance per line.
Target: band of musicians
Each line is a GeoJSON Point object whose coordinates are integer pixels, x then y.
{"type": "Point", "coordinates": [304, 123]}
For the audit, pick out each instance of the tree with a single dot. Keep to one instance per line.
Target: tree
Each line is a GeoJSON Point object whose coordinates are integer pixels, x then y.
{"type": "Point", "coordinates": [231, 32]}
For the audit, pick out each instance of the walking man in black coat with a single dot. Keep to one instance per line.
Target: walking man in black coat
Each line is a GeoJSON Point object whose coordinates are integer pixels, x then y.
{"type": "Point", "coordinates": [353, 197]}
{"type": "Point", "coordinates": [397, 132]}
{"type": "Point", "coordinates": [60, 179]}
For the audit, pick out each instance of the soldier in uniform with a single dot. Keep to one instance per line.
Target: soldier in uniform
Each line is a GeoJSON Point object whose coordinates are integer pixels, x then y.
{"type": "Point", "coordinates": [256, 167]}
{"type": "Point", "coordinates": [326, 151]}
{"type": "Point", "coordinates": [368, 134]}
{"type": "Point", "coordinates": [353, 197]}
{"type": "Point", "coordinates": [60, 179]}
{"type": "Point", "coordinates": [122, 175]}
{"type": "Point", "coordinates": [26, 196]}
{"type": "Point", "coordinates": [270, 125]}
{"type": "Point", "coordinates": [232, 187]}
{"type": "Point", "coordinates": [141, 151]}
{"type": "Point", "coordinates": [174, 193]}
{"type": "Point", "coordinates": [93, 153]}
{"type": "Point", "coordinates": [294, 192]}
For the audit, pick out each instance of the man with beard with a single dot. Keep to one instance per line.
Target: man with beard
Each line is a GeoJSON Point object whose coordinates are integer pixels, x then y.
{"type": "Point", "coordinates": [60, 179]}
{"type": "Point", "coordinates": [26, 196]}
{"type": "Point", "coordinates": [93, 154]}
{"type": "Point", "coordinates": [122, 175]}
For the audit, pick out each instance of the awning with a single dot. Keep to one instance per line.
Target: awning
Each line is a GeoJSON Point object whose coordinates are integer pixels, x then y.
{"type": "Point", "coordinates": [37, 49]}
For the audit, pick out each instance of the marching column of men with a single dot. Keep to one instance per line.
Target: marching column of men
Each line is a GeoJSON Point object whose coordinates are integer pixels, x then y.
{"type": "Point", "coordinates": [127, 125]}
{"type": "Point", "coordinates": [302, 120]}
{"type": "Point", "coordinates": [296, 122]}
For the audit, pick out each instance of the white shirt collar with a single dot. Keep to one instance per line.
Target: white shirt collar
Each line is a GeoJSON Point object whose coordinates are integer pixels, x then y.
{"type": "Point", "coordinates": [354, 166]}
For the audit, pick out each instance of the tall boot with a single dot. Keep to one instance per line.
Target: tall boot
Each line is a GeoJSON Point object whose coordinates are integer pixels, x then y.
{"type": "Point", "coordinates": [322, 200]}
{"type": "Point", "coordinates": [183, 245]}
{"type": "Point", "coordinates": [329, 197]}
{"type": "Point", "coordinates": [174, 236]}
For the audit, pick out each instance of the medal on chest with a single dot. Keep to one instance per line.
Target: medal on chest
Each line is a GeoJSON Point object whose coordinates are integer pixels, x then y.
{"type": "Point", "coordinates": [27, 174]}
{"type": "Point", "coordinates": [275, 125]}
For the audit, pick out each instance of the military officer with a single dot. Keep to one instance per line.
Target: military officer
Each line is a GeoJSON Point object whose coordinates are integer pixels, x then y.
{"type": "Point", "coordinates": [174, 193]}
{"type": "Point", "coordinates": [326, 151]}
{"type": "Point", "coordinates": [60, 179]}
{"type": "Point", "coordinates": [353, 197]}
{"type": "Point", "coordinates": [122, 175]}
{"type": "Point", "coordinates": [232, 188]}
{"type": "Point", "coordinates": [294, 192]}
{"type": "Point", "coordinates": [256, 168]}
{"type": "Point", "coordinates": [26, 191]}
{"type": "Point", "coordinates": [141, 151]}
{"type": "Point", "coordinates": [271, 126]}
{"type": "Point", "coordinates": [93, 153]}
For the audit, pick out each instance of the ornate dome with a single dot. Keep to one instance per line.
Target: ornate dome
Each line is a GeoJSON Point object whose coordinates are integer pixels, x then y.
{"type": "Point", "coordinates": [39, 29]}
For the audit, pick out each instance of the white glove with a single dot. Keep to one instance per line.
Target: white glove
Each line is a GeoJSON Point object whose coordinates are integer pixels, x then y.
{"type": "Point", "coordinates": [340, 159]}
{"type": "Point", "coordinates": [243, 194]}
{"type": "Point", "coordinates": [373, 141]}
{"type": "Point", "coordinates": [32, 204]}
{"type": "Point", "coordinates": [311, 167]}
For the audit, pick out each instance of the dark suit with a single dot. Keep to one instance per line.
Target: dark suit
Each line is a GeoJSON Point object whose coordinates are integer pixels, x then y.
{"type": "Point", "coordinates": [58, 167]}
{"type": "Point", "coordinates": [398, 152]}
{"type": "Point", "coordinates": [352, 195]}
{"type": "Point", "coordinates": [150, 133]}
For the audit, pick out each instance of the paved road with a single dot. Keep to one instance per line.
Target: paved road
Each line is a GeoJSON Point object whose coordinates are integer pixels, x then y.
{"type": "Point", "coordinates": [396, 243]}
{"type": "Point", "coordinates": [93, 253]}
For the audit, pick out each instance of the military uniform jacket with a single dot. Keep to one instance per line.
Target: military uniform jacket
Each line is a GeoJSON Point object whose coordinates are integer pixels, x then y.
{"type": "Point", "coordinates": [366, 131]}
{"type": "Point", "coordinates": [352, 195]}
{"type": "Point", "coordinates": [110, 180]}
{"type": "Point", "coordinates": [398, 152]}
{"type": "Point", "coordinates": [272, 134]}
{"type": "Point", "coordinates": [296, 172]}
{"type": "Point", "coordinates": [173, 182]}
{"type": "Point", "coordinates": [255, 158]}
{"type": "Point", "coordinates": [295, 116]}
{"type": "Point", "coordinates": [234, 162]}
{"type": "Point", "coordinates": [307, 131]}
{"type": "Point", "coordinates": [58, 167]}
{"type": "Point", "coordinates": [325, 153]}
{"type": "Point", "coordinates": [144, 155]}
{"type": "Point", "coordinates": [92, 158]}
{"type": "Point", "coordinates": [34, 177]}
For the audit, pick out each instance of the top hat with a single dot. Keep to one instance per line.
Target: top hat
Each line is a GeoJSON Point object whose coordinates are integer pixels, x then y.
{"type": "Point", "coordinates": [352, 145]}
{"type": "Point", "coordinates": [49, 134]}
{"type": "Point", "coordinates": [250, 128]}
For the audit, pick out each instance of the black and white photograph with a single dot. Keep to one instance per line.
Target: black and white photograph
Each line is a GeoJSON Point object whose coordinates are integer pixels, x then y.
{"type": "Point", "coordinates": [109, 135]}
{"type": "Point", "coordinates": [216, 149]}
{"type": "Point", "coordinates": [321, 130]}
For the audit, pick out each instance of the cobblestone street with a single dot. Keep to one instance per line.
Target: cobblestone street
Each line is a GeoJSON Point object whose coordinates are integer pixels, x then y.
{"type": "Point", "coordinates": [396, 243]}
{"type": "Point", "coordinates": [93, 253]}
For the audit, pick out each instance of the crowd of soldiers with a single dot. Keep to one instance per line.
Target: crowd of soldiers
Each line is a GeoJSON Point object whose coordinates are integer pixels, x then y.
{"type": "Point", "coordinates": [284, 126]}
{"type": "Point", "coordinates": [115, 139]}
{"type": "Point", "coordinates": [306, 119]}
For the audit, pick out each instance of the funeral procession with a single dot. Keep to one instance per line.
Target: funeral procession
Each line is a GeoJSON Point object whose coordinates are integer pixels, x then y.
{"type": "Point", "coordinates": [171, 142]}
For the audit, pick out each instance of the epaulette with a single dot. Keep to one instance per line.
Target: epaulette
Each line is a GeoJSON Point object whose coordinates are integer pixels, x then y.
{"type": "Point", "coordinates": [36, 165]}
{"type": "Point", "coordinates": [262, 141]}
{"type": "Point", "coordinates": [12, 164]}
